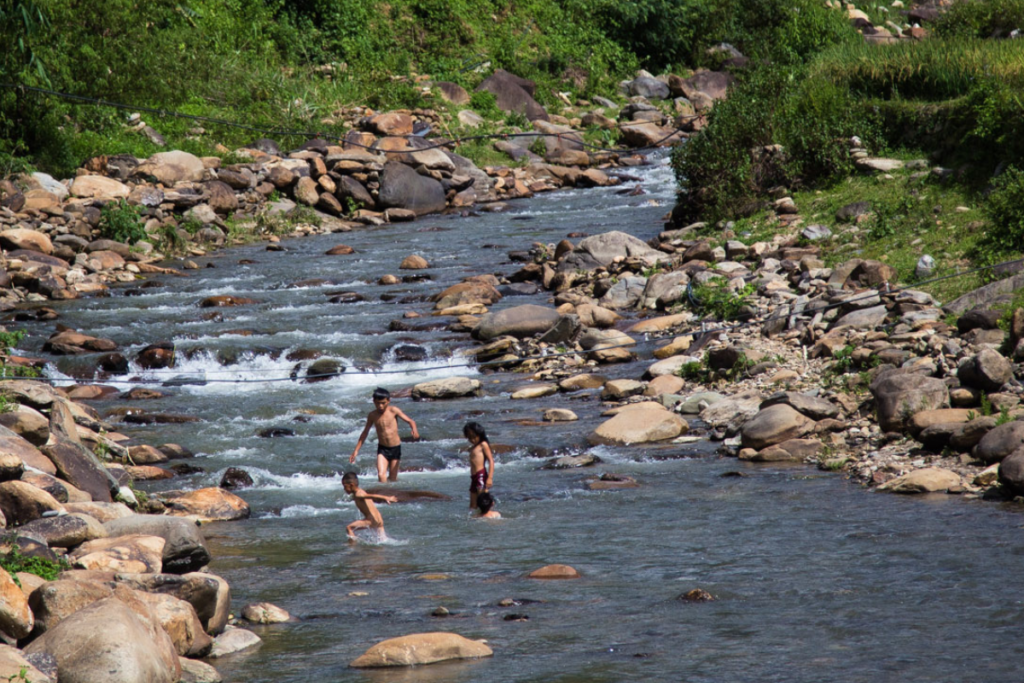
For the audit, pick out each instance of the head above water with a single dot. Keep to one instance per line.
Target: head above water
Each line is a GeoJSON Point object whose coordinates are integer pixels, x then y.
{"type": "Point", "coordinates": [485, 502]}
{"type": "Point", "coordinates": [475, 429]}
{"type": "Point", "coordinates": [350, 480]}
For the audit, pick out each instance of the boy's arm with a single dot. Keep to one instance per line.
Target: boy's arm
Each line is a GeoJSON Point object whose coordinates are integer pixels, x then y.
{"type": "Point", "coordinates": [362, 437]}
{"type": "Point", "coordinates": [377, 496]}
{"type": "Point", "coordinates": [412, 423]}
{"type": "Point", "coordinates": [490, 462]}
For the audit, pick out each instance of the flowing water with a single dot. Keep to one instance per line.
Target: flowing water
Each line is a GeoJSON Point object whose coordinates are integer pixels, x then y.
{"type": "Point", "coordinates": [816, 578]}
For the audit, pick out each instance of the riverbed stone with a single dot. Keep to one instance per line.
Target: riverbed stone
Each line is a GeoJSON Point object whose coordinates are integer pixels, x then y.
{"type": "Point", "coordinates": [26, 424]}
{"type": "Point", "coordinates": [518, 321]}
{"type": "Point", "coordinates": [265, 613]}
{"type": "Point", "coordinates": [21, 503]}
{"type": "Point", "coordinates": [996, 444]}
{"type": "Point", "coordinates": [26, 238]}
{"type": "Point", "coordinates": [554, 571]}
{"type": "Point", "coordinates": [582, 382]}
{"type": "Point", "coordinates": [925, 480]}
{"type": "Point", "coordinates": [103, 512]}
{"type": "Point", "coordinates": [929, 418]}
{"type": "Point", "coordinates": [209, 594]}
{"type": "Point", "coordinates": [664, 384]}
{"type": "Point", "coordinates": [413, 262]}
{"type": "Point", "coordinates": [535, 391]}
{"type": "Point", "coordinates": [988, 370]}
{"type": "Point", "coordinates": [16, 668]}
{"type": "Point", "coordinates": [421, 648]}
{"type": "Point", "coordinates": [601, 250]}
{"type": "Point", "coordinates": [195, 671]}
{"type": "Point", "coordinates": [1011, 472]}
{"type": "Point", "coordinates": [899, 395]}
{"type": "Point", "coordinates": [451, 387]}
{"type": "Point", "coordinates": [212, 504]}
{"type": "Point", "coordinates": [185, 548]}
{"type": "Point", "coordinates": [473, 292]}
{"type": "Point", "coordinates": [639, 426]}
{"type": "Point", "coordinates": [99, 187]}
{"type": "Point", "coordinates": [660, 323]}
{"type": "Point", "coordinates": [233, 640]}
{"type": "Point", "coordinates": [178, 618]}
{"type": "Point", "coordinates": [773, 425]}
{"type": "Point", "coordinates": [110, 642]}
{"type": "Point", "coordinates": [618, 389]}
{"type": "Point", "coordinates": [812, 406]}
{"type": "Point", "coordinates": [16, 618]}
{"type": "Point", "coordinates": [403, 188]}
{"type": "Point", "coordinates": [65, 531]}
{"type": "Point", "coordinates": [57, 600]}
{"type": "Point", "coordinates": [559, 415]}
{"type": "Point", "coordinates": [133, 554]}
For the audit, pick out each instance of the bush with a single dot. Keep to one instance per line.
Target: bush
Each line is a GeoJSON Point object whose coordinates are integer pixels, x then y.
{"type": "Point", "coordinates": [121, 222]}
{"type": "Point", "coordinates": [981, 19]}
{"type": "Point", "coordinates": [1005, 209]}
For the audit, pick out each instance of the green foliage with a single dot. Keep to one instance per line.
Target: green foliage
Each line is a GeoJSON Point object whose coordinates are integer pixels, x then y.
{"type": "Point", "coordinates": [975, 19]}
{"type": "Point", "coordinates": [1005, 209]}
{"type": "Point", "coordinates": [9, 340]}
{"type": "Point", "coordinates": [15, 561]}
{"type": "Point", "coordinates": [191, 225]}
{"type": "Point", "coordinates": [122, 222]}
{"type": "Point", "coordinates": [986, 405]}
{"type": "Point", "coordinates": [889, 215]}
{"type": "Point", "coordinates": [695, 371]}
{"type": "Point", "coordinates": [483, 103]}
{"type": "Point", "coordinates": [1004, 416]}
{"type": "Point", "coordinates": [716, 298]}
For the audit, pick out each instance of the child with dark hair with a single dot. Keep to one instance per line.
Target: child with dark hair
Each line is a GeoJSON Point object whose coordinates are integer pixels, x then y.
{"type": "Point", "coordinates": [385, 419]}
{"type": "Point", "coordinates": [485, 501]}
{"type": "Point", "coordinates": [481, 461]}
{"type": "Point", "coordinates": [364, 502]}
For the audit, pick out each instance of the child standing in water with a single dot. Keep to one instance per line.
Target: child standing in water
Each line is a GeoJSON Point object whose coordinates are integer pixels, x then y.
{"type": "Point", "coordinates": [485, 502]}
{"type": "Point", "coordinates": [481, 461]}
{"type": "Point", "coordinates": [385, 419]}
{"type": "Point", "coordinates": [364, 501]}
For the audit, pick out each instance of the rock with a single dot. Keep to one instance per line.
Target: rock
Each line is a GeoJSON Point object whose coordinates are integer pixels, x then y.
{"type": "Point", "coordinates": [661, 323]}
{"type": "Point", "coordinates": [452, 92]}
{"type": "Point", "coordinates": [559, 415]}
{"type": "Point", "coordinates": [265, 613]}
{"type": "Point", "coordinates": [664, 289]}
{"type": "Point", "coordinates": [999, 443]}
{"type": "Point", "coordinates": [641, 426]}
{"type": "Point", "coordinates": [625, 293]}
{"type": "Point", "coordinates": [678, 346]}
{"type": "Point", "coordinates": [75, 463]}
{"type": "Point", "coordinates": [554, 571]}
{"type": "Point", "coordinates": [194, 671]}
{"type": "Point", "coordinates": [222, 198]}
{"type": "Point", "coordinates": [172, 167]}
{"type": "Point", "coordinates": [208, 594]}
{"type": "Point", "coordinates": [878, 165]}
{"type": "Point", "coordinates": [925, 267]}
{"type": "Point", "coordinates": [184, 549]}
{"type": "Point", "coordinates": [603, 339]}
{"type": "Point", "coordinates": [1011, 472]}
{"type": "Point", "coordinates": [512, 93]}
{"type": "Point", "coordinates": [601, 250]}
{"type": "Point", "coordinates": [134, 553]}
{"type": "Point", "coordinates": [569, 462]}
{"type": "Point", "coordinates": [110, 642]}
{"type": "Point", "coordinates": [16, 619]}
{"type": "Point", "coordinates": [796, 450]}
{"type": "Point", "coordinates": [102, 512]}
{"type": "Point", "coordinates": [451, 387]}
{"type": "Point", "coordinates": [65, 531]}
{"type": "Point", "coordinates": [665, 384]}
{"type": "Point", "coordinates": [16, 668]}
{"type": "Point", "coordinates": [929, 418]}
{"type": "Point", "coordinates": [926, 480]}
{"type": "Point", "coordinates": [156, 356]}
{"type": "Point", "coordinates": [225, 300]}
{"type": "Point", "coordinates": [403, 188]}
{"type": "Point", "coordinates": [618, 389]}
{"type": "Point", "coordinates": [535, 391]}
{"type": "Point", "coordinates": [988, 371]}
{"type": "Point", "coordinates": [851, 212]}
{"type": "Point", "coordinates": [865, 318]}
{"type": "Point", "coordinates": [711, 84]}
{"type": "Point", "coordinates": [581, 382]}
{"type": "Point", "coordinates": [773, 425]}
{"type": "Point", "coordinates": [99, 187]}
{"type": "Point", "coordinates": [391, 123]}
{"type": "Point", "coordinates": [811, 406]}
{"type": "Point", "coordinates": [421, 648]}
{"type": "Point", "coordinates": [206, 505]}
{"type": "Point", "coordinates": [413, 262]}
{"type": "Point", "coordinates": [179, 620]}
{"type": "Point", "coordinates": [669, 366]}
{"type": "Point", "coordinates": [233, 640]}
{"type": "Point", "coordinates": [24, 238]}
{"type": "Point", "coordinates": [816, 232]}
{"type": "Point", "coordinates": [21, 503]}
{"type": "Point", "coordinates": [24, 429]}
{"type": "Point", "coordinates": [651, 88]}
{"type": "Point", "coordinates": [519, 321]}
{"type": "Point", "coordinates": [55, 601]}
{"type": "Point", "coordinates": [235, 478]}
{"type": "Point", "coordinates": [900, 395]}
{"type": "Point", "coordinates": [473, 292]}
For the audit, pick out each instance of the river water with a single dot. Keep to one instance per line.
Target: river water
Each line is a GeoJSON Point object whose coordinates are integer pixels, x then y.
{"type": "Point", "coordinates": [817, 579]}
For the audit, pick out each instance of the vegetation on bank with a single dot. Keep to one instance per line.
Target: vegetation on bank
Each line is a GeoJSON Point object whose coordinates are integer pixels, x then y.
{"type": "Point", "coordinates": [952, 99]}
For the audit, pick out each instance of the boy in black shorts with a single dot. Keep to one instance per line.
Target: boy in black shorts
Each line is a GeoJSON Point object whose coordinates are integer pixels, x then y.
{"type": "Point", "coordinates": [385, 418]}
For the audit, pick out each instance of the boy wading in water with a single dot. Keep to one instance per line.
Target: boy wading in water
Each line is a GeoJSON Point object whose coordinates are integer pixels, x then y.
{"type": "Point", "coordinates": [485, 502]}
{"type": "Point", "coordinates": [481, 461]}
{"type": "Point", "coordinates": [385, 419]}
{"type": "Point", "coordinates": [364, 501]}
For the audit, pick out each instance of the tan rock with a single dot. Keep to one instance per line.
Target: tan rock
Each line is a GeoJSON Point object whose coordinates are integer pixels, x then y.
{"type": "Point", "coordinates": [16, 618]}
{"type": "Point", "coordinates": [926, 418]}
{"type": "Point", "coordinates": [178, 618]}
{"type": "Point", "coordinates": [21, 503]}
{"type": "Point", "coordinates": [581, 382]}
{"type": "Point", "coordinates": [639, 426]}
{"type": "Point", "coordinates": [661, 323]}
{"type": "Point", "coordinates": [677, 346]}
{"type": "Point", "coordinates": [665, 384]}
{"type": "Point", "coordinates": [29, 583]}
{"type": "Point", "coordinates": [23, 238]}
{"type": "Point", "coordinates": [925, 480]}
{"type": "Point", "coordinates": [421, 648]}
{"type": "Point", "coordinates": [559, 415]}
{"type": "Point", "coordinates": [413, 262]}
{"type": "Point", "coordinates": [99, 187]}
{"type": "Point", "coordinates": [536, 391]}
{"type": "Point", "coordinates": [773, 425]}
{"type": "Point", "coordinates": [554, 571]}
{"type": "Point", "coordinates": [55, 601]}
{"type": "Point", "coordinates": [206, 505]}
{"type": "Point", "coordinates": [14, 667]}
{"type": "Point", "coordinates": [307, 192]}
{"type": "Point", "coordinates": [131, 554]}
{"type": "Point", "coordinates": [265, 613]}
{"type": "Point", "coordinates": [102, 512]}
{"type": "Point", "coordinates": [467, 293]}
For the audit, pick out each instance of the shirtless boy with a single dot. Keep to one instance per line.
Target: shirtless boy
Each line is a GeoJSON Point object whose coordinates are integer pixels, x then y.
{"type": "Point", "coordinates": [364, 501]}
{"type": "Point", "coordinates": [385, 419]}
{"type": "Point", "coordinates": [481, 461]}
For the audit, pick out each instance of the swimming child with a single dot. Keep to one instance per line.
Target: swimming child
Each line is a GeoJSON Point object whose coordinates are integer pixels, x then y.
{"type": "Point", "coordinates": [485, 502]}
{"type": "Point", "coordinates": [385, 418]}
{"type": "Point", "coordinates": [481, 461]}
{"type": "Point", "coordinates": [364, 501]}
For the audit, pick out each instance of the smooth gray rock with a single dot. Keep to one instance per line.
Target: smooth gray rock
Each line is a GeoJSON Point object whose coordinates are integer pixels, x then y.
{"type": "Point", "coordinates": [988, 370]}
{"type": "Point", "coordinates": [185, 549]}
{"type": "Point", "coordinates": [403, 188]}
{"type": "Point", "coordinates": [519, 321]}
{"type": "Point", "coordinates": [899, 395]}
{"type": "Point", "coordinates": [1000, 442]}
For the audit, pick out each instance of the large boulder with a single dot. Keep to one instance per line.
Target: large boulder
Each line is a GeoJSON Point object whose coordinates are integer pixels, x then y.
{"type": "Point", "coordinates": [233, 640]}
{"type": "Point", "coordinates": [451, 387]}
{"type": "Point", "coordinates": [185, 549]}
{"type": "Point", "coordinates": [625, 293]}
{"type": "Point", "coordinates": [519, 321]}
{"type": "Point", "coordinates": [23, 429]}
{"type": "Point", "coordinates": [55, 601]}
{"type": "Point", "coordinates": [24, 238]}
{"type": "Point", "coordinates": [75, 463]}
{"type": "Point", "coordinates": [208, 594]}
{"type": "Point", "coordinates": [99, 187]}
{"type": "Point", "coordinates": [899, 395]}
{"type": "Point", "coordinates": [133, 554]}
{"type": "Point", "coordinates": [421, 648]}
{"type": "Point", "coordinates": [639, 426]}
{"type": "Point", "coordinates": [988, 370]}
{"type": "Point", "coordinates": [21, 503]}
{"type": "Point", "coordinates": [925, 480]}
{"type": "Point", "coordinates": [512, 93]}
{"type": "Point", "coordinates": [178, 618]}
{"type": "Point", "coordinates": [1011, 472]}
{"type": "Point", "coordinates": [172, 167]}
{"type": "Point", "coordinates": [999, 443]}
{"type": "Point", "coordinates": [471, 292]}
{"type": "Point", "coordinates": [16, 618]}
{"type": "Point", "coordinates": [773, 425]}
{"type": "Point", "coordinates": [65, 531]}
{"type": "Point", "coordinates": [212, 504]}
{"type": "Point", "coordinates": [650, 88]}
{"type": "Point", "coordinates": [403, 188]}
{"type": "Point", "coordinates": [110, 642]}
{"type": "Point", "coordinates": [601, 250]}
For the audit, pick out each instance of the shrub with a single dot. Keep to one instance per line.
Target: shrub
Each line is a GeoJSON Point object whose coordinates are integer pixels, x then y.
{"type": "Point", "coordinates": [15, 561]}
{"type": "Point", "coordinates": [121, 222]}
{"type": "Point", "coordinates": [716, 298]}
{"type": "Point", "coordinates": [1005, 209]}
{"type": "Point", "coordinates": [977, 19]}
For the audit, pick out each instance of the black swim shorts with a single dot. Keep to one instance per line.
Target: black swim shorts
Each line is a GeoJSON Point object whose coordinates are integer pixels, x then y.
{"type": "Point", "coordinates": [390, 453]}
